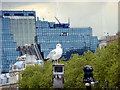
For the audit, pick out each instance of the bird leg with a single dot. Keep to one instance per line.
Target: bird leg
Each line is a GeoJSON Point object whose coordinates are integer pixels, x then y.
{"type": "Point", "coordinates": [54, 61]}
{"type": "Point", "coordinates": [57, 61]}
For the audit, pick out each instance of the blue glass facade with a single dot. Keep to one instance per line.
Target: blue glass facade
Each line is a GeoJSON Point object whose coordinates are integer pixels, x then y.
{"type": "Point", "coordinates": [17, 28]}
{"type": "Point", "coordinates": [73, 40]}
{"type": "Point", "coordinates": [8, 52]}
{"type": "Point", "coordinates": [22, 26]}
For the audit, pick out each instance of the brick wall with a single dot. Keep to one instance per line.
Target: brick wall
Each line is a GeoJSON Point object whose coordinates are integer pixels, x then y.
{"type": "Point", "coordinates": [112, 38]}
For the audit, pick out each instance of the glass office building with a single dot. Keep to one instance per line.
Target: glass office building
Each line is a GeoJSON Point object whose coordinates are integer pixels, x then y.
{"type": "Point", "coordinates": [73, 40]}
{"type": "Point", "coordinates": [17, 28]}
{"type": "Point", "coordinates": [22, 26]}
{"type": "Point", "coordinates": [8, 52]}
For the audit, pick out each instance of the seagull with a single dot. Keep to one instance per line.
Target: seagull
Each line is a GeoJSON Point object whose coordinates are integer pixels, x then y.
{"type": "Point", "coordinates": [55, 54]}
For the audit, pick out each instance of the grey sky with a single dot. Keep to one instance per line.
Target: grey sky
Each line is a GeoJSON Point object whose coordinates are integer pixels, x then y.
{"type": "Point", "coordinates": [101, 16]}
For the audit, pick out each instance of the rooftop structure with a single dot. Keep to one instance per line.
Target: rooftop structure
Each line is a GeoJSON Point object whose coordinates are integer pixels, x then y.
{"type": "Point", "coordinates": [31, 49]}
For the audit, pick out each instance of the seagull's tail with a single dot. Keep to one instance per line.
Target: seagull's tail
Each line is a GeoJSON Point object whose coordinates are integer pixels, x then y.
{"type": "Point", "coordinates": [46, 59]}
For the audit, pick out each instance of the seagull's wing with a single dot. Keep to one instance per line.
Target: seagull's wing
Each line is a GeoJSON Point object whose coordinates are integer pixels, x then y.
{"type": "Point", "coordinates": [53, 52]}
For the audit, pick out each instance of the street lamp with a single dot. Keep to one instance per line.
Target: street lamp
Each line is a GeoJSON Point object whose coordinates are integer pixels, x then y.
{"type": "Point", "coordinates": [88, 77]}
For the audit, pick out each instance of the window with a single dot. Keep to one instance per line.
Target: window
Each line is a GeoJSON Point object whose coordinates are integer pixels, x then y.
{"type": "Point", "coordinates": [44, 33]}
{"type": "Point", "coordinates": [7, 80]}
{"type": "Point", "coordinates": [31, 14]}
{"type": "Point", "coordinates": [6, 14]}
{"type": "Point", "coordinates": [58, 69]}
{"type": "Point", "coordinates": [19, 14]}
{"type": "Point", "coordinates": [2, 81]}
{"type": "Point", "coordinates": [24, 65]}
{"type": "Point", "coordinates": [64, 34]}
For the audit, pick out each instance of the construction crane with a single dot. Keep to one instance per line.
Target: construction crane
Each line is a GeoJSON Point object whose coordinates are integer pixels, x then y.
{"type": "Point", "coordinates": [64, 25]}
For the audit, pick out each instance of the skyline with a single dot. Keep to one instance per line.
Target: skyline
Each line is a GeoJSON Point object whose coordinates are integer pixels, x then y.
{"type": "Point", "coordinates": [100, 16]}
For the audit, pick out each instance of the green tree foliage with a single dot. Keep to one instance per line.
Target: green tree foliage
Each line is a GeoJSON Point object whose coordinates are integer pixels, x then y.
{"type": "Point", "coordinates": [37, 76]}
{"type": "Point", "coordinates": [105, 63]}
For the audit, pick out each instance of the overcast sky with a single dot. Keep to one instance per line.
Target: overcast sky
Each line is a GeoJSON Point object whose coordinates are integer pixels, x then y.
{"type": "Point", "coordinates": [101, 16]}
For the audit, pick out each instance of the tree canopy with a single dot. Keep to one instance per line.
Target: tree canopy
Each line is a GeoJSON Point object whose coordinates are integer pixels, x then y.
{"type": "Point", "coordinates": [105, 63]}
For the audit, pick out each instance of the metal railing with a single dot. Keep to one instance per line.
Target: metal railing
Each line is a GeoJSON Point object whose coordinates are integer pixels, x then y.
{"type": "Point", "coordinates": [38, 51]}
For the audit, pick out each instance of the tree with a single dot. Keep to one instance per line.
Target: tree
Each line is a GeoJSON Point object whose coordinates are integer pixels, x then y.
{"type": "Point", "coordinates": [37, 76]}
{"type": "Point", "coordinates": [105, 63]}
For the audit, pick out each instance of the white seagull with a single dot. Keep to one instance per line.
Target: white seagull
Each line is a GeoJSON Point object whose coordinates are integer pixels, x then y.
{"type": "Point", "coordinates": [55, 54]}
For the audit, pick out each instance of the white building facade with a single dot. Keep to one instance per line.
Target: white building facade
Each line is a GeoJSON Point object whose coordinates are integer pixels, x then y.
{"type": "Point", "coordinates": [14, 75]}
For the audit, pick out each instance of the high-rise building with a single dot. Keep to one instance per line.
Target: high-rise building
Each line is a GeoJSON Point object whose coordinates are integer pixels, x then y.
{"type": "Point", "coordinates": [22, 26]}
{"type": "Point", "coordinates": [8, 52]}
{"type": "Point", "coordinates": [17, 28]}
{"type": "Point", "coordinates": [73, 40]}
